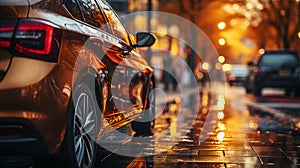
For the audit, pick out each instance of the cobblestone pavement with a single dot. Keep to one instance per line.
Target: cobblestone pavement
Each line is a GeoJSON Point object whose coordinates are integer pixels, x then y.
{"type": "Point", "coordinates": [238, 135]}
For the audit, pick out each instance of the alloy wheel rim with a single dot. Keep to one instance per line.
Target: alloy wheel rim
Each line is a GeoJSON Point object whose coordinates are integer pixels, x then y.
{"type": "Point", "coordinates": [84, 131]}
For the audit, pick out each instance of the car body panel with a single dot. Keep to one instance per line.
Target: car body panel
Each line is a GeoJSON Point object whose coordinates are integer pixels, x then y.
{"type": "Point", "coordinates": [40, 92]}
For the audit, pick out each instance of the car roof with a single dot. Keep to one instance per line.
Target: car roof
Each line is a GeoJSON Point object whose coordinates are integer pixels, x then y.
{"type": "Point", "coordinates": [280, 52]}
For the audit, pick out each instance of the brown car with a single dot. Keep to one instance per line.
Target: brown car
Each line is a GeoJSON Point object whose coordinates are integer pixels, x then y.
{"type": "Point", "coordinates": [69, 73]}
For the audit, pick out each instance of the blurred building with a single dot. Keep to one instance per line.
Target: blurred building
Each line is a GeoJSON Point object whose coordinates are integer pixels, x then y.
{"type": "Point", "coordinates": [141, 5]}
{"type": "Point", "coordinates": [120, 6]}
{"type": "Point", "coordinates": [158, 27]}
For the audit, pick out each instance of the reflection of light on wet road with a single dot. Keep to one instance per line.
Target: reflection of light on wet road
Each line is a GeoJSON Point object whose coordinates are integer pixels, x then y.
{"type": "Point", "coordinates": [221, 98]}
{"type": "Point", "coordinates": [221, 136]}
{"type": "Point", "coordinates": [204, 99]}
{"type": "Point", "coordinates": [204, 110]}
{"type": "Point", "coordinates": [220, 104]}
{"type": "Point", "coordinates": [228, 137]}
{"type": "Point", "coordinates": [173, 127]}
{"type": "Point", "coordinates": [253, 125]}
{"type": "Point", "coordinates": [221, 126]}
{"type": "Point", "coordinates": [220, 115]}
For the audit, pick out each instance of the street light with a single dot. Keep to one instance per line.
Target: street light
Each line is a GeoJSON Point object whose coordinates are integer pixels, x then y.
{"type": "Point", "coordinates": [299, 35]}
{"type": "Point", "coordinates": [222, 41]}
{"type": "Point", "coordinates": [261, 51]}
{"type": "Point", "coordinates": [205, 66]}
{"type": "Point", "coordinates": [221, 59]}
{"type": "Point", "coordinates": [221, 25]}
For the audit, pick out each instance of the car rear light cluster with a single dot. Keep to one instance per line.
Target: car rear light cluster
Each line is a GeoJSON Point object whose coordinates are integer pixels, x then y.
{"type": "Point", "coordinates": [256, 71]}
{"type": "Point", "coordinates": [31, 38]}
{"type": "Point", "coordinates": [6, 32]}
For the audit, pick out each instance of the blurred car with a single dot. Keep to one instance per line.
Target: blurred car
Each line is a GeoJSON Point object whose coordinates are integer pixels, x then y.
{"type": "Point", "coordinates": [237, 74]}
{"type": "Point", "coordinates": [69, 73]}
{"type": "Point", "coordinates": [276, 69]}
{"type": "Point", "coordinates": [297, 76]}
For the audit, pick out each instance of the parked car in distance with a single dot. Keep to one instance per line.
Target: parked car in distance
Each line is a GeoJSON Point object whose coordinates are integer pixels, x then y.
{"type": "Point", "coordinates": [69, 73]}
{"type": "Point", "coordinates": [237, 74]}
{"type": "Point", "coordinates": [276, 69]}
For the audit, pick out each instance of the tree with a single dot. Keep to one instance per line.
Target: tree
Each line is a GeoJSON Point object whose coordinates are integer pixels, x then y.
{"type": "Point", "coordinates": [194, 11]}
{"type": "Point", "coordinates": [284, 17]}
{"type": "Point", "coordinates": [276, 22]}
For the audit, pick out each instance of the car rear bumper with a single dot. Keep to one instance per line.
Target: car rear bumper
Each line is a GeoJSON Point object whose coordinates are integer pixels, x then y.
{"type": "Point", "coordinates": [18, 136]}
{"type": "Point", "coordinates": [237, 80]}
{"type": "Point", "coordinates": [34, 99]}
{"type": "Point", "coordinates": [278, 83]}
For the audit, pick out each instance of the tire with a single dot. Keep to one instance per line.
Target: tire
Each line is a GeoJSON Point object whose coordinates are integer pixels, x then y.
{"type": "Point", "coordinates": [248, 90]}
{"type": "Point", "coordinates": [297, 92]}
{"type": "Point", "coordinates": [257, 90]}
{"type": "Point", "coordinates": [287, 92]}
{"type": "Point", "coordinates": [247, 87]}
{"type": "Point", "coordinates": [79, 147]}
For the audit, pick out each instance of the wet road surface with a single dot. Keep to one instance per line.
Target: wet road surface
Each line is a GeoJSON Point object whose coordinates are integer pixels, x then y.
{"type": "Point", "coordinates": [246, 132]}
{"type": "Point", "coordinates": [228, 130]}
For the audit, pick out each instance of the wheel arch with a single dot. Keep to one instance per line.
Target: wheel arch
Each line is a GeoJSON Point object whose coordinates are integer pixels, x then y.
{"type": "Point", "coordinates": [99, 78]}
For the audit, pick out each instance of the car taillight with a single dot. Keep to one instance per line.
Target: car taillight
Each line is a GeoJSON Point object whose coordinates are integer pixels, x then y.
{"type": "Point", "coordinates": [256, 71]}
{"type": "Point", "coordinates": [32, 38]}
{"type": "Point", "coordinates": [7, 28]}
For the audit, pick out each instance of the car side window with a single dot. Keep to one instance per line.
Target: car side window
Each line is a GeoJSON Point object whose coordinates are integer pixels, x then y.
{"type": "Point", "coordinates": [73, 8]}
{"type": "Point", "coordinates": [92, 13]}
{"type": "Point", "coordinates": [116, 25]}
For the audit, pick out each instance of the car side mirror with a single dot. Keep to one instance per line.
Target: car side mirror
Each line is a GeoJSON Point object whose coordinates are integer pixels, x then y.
{"type": "Point", "coordinates": [144, 39]}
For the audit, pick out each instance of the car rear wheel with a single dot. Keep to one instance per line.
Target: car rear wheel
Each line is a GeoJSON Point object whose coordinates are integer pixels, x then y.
{"type": "Point", "coordinates": [247, 87]}
{"type": "Point", "coordinates": [248, 90]}
{"type": "Point", "coordinates": [257, 90]}
{"type": "Point", "coordinates": [80, 145]}
{"type": "Point", "coordinates": [297, 92]}
{"type": "Point", "coordinates": [287, 91]}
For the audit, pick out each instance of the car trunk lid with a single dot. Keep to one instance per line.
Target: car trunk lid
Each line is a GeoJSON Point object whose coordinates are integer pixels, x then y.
{"type": "Point", "coordinates": [7, 28]}
{"type": "Point", "coordinates": [10, 11]}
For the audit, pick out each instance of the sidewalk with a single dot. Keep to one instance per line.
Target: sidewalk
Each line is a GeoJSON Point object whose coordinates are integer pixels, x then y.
{"type": "Point", "coordinates": [233, 143]}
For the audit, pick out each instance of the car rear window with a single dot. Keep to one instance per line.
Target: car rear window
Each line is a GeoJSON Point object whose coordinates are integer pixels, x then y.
{"type": "Point", "coordinates": [92, 13]}
{"type": "Point", "coordinates": [277, 60]}
{"type": "Point", "coordinates": [240, 71]}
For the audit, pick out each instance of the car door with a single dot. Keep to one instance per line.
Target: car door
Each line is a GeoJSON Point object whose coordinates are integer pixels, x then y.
{"type": "Point", "coordinates": [128, 71]}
